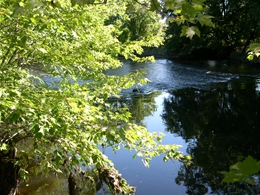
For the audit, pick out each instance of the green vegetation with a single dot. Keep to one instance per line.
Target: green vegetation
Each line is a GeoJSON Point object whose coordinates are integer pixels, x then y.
{"type": "Point", "coordinates": [243, 171]}
{"type": "Point", "coordinates": [60, 126]}
{"type": "Point", "coordinates": [235, 25]}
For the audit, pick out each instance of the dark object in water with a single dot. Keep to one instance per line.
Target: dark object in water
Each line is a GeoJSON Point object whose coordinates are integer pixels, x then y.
{"type": "Point", "coordinates": [136, 90]}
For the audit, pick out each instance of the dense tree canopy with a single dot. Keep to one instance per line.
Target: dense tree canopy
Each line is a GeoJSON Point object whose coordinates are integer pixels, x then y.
{"type": "Point", "coordinates": [59, 126]}
{"type": "Point", "coordinates": [236, 25]}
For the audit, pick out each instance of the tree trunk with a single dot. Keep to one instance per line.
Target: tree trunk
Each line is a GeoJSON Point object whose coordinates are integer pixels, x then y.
{"type": "Point", "coordinates": [251, 37]}
{"type": "Point", "coordinates": [73, 189]}
{"type": "Point", "coordinates": [9, 173]}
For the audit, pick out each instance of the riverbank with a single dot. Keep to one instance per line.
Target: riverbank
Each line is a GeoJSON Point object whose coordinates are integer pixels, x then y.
{"type": "Point", "coordinates": [232, 57]}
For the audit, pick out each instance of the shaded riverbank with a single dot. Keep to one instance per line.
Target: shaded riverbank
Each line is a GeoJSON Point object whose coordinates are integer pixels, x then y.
{"type": "Point", "coordinates": [230, 56]}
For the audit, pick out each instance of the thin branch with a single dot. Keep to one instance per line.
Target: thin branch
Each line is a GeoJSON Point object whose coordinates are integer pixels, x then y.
{"type": "Point", "coordinates": [5, 56]}
{"type": "Point", "coordinates": [142, 4]}
{"type": "Point", "coordinates": [15, 134]}
{"type": "Point", "coordinates": [105, 2]}
{"type": "Point", "coordinates": [12, 56]}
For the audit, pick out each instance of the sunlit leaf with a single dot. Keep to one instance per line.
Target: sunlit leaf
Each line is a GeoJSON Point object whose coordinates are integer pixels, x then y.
{"type": "Point", "coordinates": [206, 20]}
{"type": "Point", "coordinates": [21, 4]}
{"type": "Point", "coordinates": [81, 2]}
{"type": "Point", "coordinates": [3, 146]}
{"type": "Point", "coordinates": [250, 57]}
{"type": "Point", "coordinates": [242, 170]}
{"type": "Point", "coordinates": [254, 47]}
{"type": "Point", "coordinates": [42, 50]}
{"type": "Point", "coordinates": [33, 20]}
{"type": "Point", "coordinates": [190, 31]}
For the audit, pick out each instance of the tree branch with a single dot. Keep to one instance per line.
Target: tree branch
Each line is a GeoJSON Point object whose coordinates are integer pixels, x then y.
{"type": "Point", "coordinates": [142, 4]}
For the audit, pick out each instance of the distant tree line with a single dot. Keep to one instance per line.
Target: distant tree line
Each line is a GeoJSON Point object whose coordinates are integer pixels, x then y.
{"type": "Point", "coordinates": [236, 26]}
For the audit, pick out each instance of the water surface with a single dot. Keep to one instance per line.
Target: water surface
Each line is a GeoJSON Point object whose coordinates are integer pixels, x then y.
{"type": "Point", "coordinates": [210, 108]}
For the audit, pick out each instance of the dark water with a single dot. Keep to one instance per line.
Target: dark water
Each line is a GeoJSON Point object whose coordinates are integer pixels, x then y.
{"type": "Point", "coordinates": [210, 108]}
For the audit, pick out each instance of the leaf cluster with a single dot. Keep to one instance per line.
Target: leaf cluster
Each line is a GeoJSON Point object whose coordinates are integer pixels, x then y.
{"type": "Point", "coordinates": [60, 125]}
{"type": "Point", "coordinates": [242, 171]}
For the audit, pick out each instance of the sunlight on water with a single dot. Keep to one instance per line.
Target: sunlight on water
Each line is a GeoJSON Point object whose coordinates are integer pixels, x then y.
{"type": "Point", "coordinates": [212, 103]}
{"type": "Point", "coordinates": [160, 177]}
{"type": "Point", "coordinates": [155, 123]}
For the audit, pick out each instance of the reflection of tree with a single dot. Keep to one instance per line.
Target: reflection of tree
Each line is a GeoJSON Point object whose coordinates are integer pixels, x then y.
{"type": "Point", "coordinates": [223, 125]}
{"type": "Point", "coordinates": [140, 105]}
{"type": "Point", "coordinates": [199, 182]}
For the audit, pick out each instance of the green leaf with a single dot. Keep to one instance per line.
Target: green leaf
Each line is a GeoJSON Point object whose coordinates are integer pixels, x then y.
{"type": "Point", "coordinates": [254, 47]}
{"type": "Point", "coordinates": [198, 1]}
{"type": "Point", "coordinates": [21, 4]}
{"type": "Point", "coordinates": [254, 50]}
{"type": "Point", "coordinates": [165, 159]}
{"type": "Point", "coordinates": [3, 146]}
{"type": "Point", "coordinates": [250, 57]}
{"type": "Point", "coordinates": [188, 11]}
{"type": "Point", "coordinates": [14, 117]}
{"type": "Point", "coordinates": [189, 31]}
{"type": "Point", "coordinates": [155, 6]}
{"type": "Point", "coordinates": [146, 163]}
{"type": "Point", "coordinates": [33, 20]}
{"type": "Point", "coordinates": [81, 2]}
{"type": "Point", "coordinates": [242, 170]}
{"type": "Point", "coordinates": [169, 5]}
{"type": "Point", "coordinates": [43, 50]}
{"type": "Point", "coordinates": [206, 20]}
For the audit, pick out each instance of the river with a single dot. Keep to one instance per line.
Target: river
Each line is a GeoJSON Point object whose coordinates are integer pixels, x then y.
{"type": "Point", "coordinates": [211, 108]}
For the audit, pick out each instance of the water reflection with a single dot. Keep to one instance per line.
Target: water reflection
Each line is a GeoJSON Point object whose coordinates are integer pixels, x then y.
{"type": "Point", "coordinates": [140, 105]}
{"type": "Point", "coordinates": [212, 109]}
{"type": "Point", "coordinates": [221, 127]}
{"type": "Point", "coordinates": [50, 184]}
{"type": "Point", "coordinates": [160, 177]}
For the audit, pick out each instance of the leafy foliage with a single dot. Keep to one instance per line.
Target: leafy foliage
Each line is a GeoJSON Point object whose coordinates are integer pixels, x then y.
{"type": "Point", "coordinates": [241, 171]}
{"type": "Point", "coordinates": [62, 124]}
{"type": "Point", "coordinates": [231, 26]}
{"type": "Point", "coordinates": [254, 49]}
{"type": "Point", "coordinates": [187, 12]}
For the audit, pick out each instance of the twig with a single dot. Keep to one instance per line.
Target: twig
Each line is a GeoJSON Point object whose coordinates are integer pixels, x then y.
{"type": "Point", "coordinates": [11, 137]}
{"type": "Point", "coordinates": [142, 4]}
